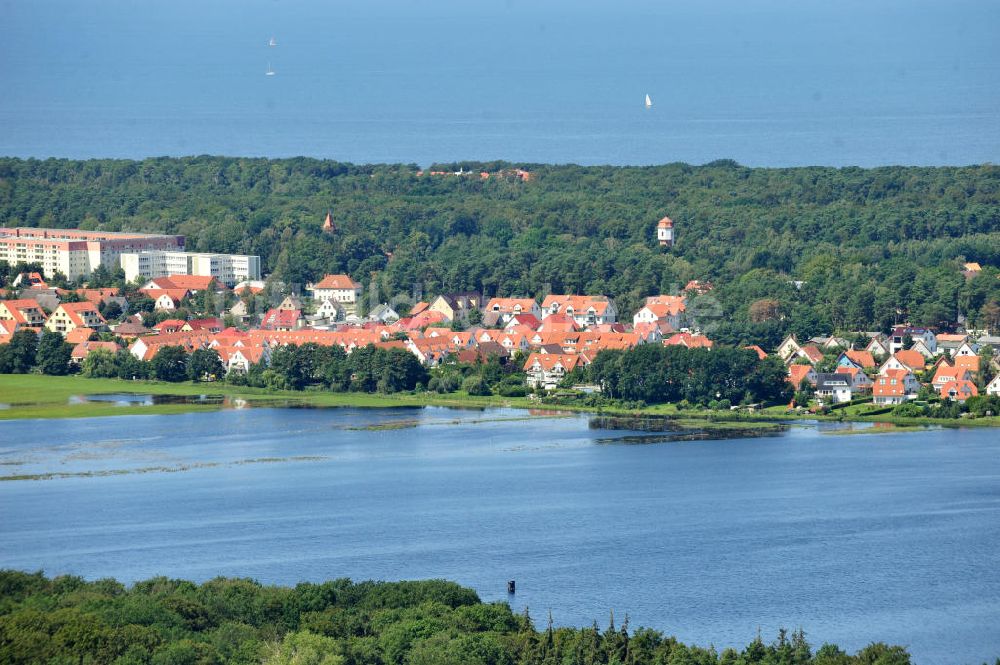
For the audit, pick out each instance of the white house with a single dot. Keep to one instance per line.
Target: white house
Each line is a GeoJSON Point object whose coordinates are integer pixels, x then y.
{"type": "Point", "coordinates": [900, 333]}
{"type": "Point", "coordinates": [329, 310]}
{"type": "Point", "coordinates": [585, 310]}
{"type": "Point", "coordinates": [788, 348]}
{"type": "Point", "coordinates": [993, 388]}
{"type": "Point", "coordinates": [834, 388]}
{"type": "Point", "coordinates": [546, 370]}
{"type": "Point", "coordinates": [339, 288]}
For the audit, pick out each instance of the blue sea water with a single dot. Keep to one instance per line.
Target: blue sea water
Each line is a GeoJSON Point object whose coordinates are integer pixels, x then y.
{"type": "Point", "coordinates": [854, 538]}
{"type": "Point", "coordinates": [764, 82]}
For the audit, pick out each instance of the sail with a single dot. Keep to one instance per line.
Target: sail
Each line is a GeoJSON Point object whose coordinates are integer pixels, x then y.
{"type": "Point", "coordinates": [649, 102]}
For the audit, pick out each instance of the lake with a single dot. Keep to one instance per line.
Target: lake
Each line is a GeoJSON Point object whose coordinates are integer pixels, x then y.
{"type": "Point", "coordinates": [768, 83]}
{"type": "Point", "coordinates": [855, 538]}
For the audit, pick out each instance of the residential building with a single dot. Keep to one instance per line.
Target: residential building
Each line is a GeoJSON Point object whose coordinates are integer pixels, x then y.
{"type": "Point", "coordinates": [662, 309]}
{"type": "Point", "coordinates": [959, 391]}
{"type": "Point", "coordinates": [895, 386]}
{"type": "Point", "coordinates": [799, 373]}
{"type": "Point", "coordinates": [546, 370]}
{"type": "Point", "coordinates": [456, 306]}
{"type": "Point", "coordinates": [905, 359]}
{"type": "Point", "coordinates": [228, 269]}
{"type": "Point", "coordinates": [338, 288]}
{"type": "Point", "coordinates": [508, 308]}
{"type": "Point", "coordinates": [789, 349]}
{"type": "Point", "coordinates": [834, 388]}
{"type": "Point", "coordinates": [585, 310]}
{"type": "Point", "coordinates": [383, 313]}
{"type": "Point", "coordinates": [25, 312]}
{"type": "Point", "coordinates": [993, 388]}
{"type": "Point", "coordinates": [900, 334]}
{"type": "Point", "coordinates": [71, 315]}
{"type": "Point", "coordinates": [76, 253]}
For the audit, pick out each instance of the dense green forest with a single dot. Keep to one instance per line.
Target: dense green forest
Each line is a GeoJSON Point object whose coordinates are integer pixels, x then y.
{"type": "Point", "coordinates": [67, 621]}
{"type": "Point", "coordinates": [871, 246]}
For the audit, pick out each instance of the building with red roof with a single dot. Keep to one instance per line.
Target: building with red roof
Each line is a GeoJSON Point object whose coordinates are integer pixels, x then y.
{"type": "Point", "coordinates": [959, 391]}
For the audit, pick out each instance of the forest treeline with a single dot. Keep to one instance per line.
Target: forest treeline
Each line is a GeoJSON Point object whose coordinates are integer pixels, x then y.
{"type": "Point", "coordinates": [161, 621]}
{"type": "Point", "coordinates": [805, 250]}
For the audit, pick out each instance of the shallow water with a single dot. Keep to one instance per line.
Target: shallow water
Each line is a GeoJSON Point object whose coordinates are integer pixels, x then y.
{"type": "Point", "coordinates": [855, 538]}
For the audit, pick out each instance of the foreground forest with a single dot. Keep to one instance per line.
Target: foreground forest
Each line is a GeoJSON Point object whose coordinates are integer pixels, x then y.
{"type": "Point", "coordinates": [868, 247]}
{"type": "Point", "coordinates": [65, 620]}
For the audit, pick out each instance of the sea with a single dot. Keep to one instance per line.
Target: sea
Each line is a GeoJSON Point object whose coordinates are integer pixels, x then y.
{"type": "Point", "coordinates": [852, 536]}
{"type": "Point", "coordinates": [763, 82]}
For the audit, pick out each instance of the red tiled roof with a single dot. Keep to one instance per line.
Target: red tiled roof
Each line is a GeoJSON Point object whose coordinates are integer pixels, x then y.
{"type": "Point", "coordinates": [863, 358]}
{"type": "Point", "coordinates": [337, 282]}
{"type": "Point", "coordinates": [911, 359]}
{"type": "Point", "coordinates": [796, 373]}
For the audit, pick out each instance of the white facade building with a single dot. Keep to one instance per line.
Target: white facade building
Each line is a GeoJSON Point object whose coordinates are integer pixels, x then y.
{"type": "Point", "coordinates": [227, 268]}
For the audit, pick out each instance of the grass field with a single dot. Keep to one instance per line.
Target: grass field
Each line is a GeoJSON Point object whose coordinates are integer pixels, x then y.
{"type": "Point", "coordinates": [24, 396]}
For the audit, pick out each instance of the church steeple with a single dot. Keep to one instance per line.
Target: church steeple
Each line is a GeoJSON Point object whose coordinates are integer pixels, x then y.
{"type": "Point", "coordinates": [328, 225]}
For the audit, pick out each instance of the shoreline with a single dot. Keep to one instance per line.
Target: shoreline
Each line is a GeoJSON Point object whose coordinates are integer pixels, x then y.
{"type": "Point", "coordinates": [34, 396]}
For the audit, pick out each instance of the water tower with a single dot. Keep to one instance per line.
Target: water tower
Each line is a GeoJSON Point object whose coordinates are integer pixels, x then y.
{"type": "Point", "coordinates": [665, 232]}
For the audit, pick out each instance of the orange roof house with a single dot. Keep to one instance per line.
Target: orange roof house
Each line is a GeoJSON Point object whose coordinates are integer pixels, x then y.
{"type": "Point", "coordinates": [558, 323]}
{"type": "Point", "coordinates": [959, 391]}
{"type": "Point", "coordinates": [894, 386]}
{"type": "Point", "coordinates": [81, 334]}
{"type": "Point", "coordinates": [546, 370]}
{"type": "Point", "coordinates": [337, 282]}
{"type": "Point", "coordinates": [84, 349]}
{"type": "Point", "coordinates": [756, 349]}
{"type": "Point", "coordinates": [25, 312]}
{"type": "Point", "coordinates": [863, 358]}
{"type": "Point", "coordinates": [689, 340]}
{"type": "Point", "coordinates": [811, 353]}
{"type": "Point", "coordinates": [970, 363]}
{"type": "Point", "coordinates": [70, 315]}
{"type": "Point", "coordinates": [799, 373]}
{"type": "Point", "coordinates": [912, 359]}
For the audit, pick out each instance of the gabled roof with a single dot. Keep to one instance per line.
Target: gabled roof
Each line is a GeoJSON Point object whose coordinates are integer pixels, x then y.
{"type": "Point", "coordinates": [83, 349]}
{"type": "Point", "coordinates": [812, 353]}
{"type": "Point", "coordinates": [79, 334]}
{"type": "Point", "coordinates": [756, 349]}
{"type": "Point", "coordinates": [689, 340]}
{"type": "Point", "coordinates": [910, 358]}
{"type": "Point", "coordinates": [17, 308]}
{"type": "Point", "coordinates": [549, 361]}
{"type": "Point", "coordinates": [970, 363]}
{"type": "Point", "coordinates": [796, 373]}
{"type": "Point", "coordinates": [891, 384]}
{"type": "Point", "coordinates": [558, 323]}
{"type": "Point", "coordinates": [580, 304]}
{"type": "Point", "coordinates": [960, 390]}
{"type": "Point", "coordinates": [511, 305]}
{"type": "Point", "coordinates": [75, 311]}
{"type": "Point", "coordinates": [863, 358]}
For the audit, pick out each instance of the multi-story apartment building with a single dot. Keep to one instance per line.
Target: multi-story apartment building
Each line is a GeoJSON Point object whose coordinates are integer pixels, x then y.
{"type": "Point", "coordinates": [226, 268]}
{"type": "Point", "coordinates": [77, 253]}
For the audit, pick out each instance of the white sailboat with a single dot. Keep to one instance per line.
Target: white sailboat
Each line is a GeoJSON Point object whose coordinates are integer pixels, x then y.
{"type": "Point", "coordinates": [270, 72]}
{"type": "Point", "coordinates": [272, 42]}
{"type": "Point", "coordinates": [649, 102]}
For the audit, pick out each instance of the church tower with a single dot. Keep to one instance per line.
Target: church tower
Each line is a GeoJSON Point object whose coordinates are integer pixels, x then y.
{"type": "Point", "coordinates": [328, 225]}
{"type": "Point", "coordinates": [665, 232]}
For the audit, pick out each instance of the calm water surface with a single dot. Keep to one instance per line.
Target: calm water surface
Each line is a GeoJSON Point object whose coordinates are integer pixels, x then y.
{"type": "Point", "coordinates": [768, 83]}
{"type": "Point", "coordinates": [855, 538]}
